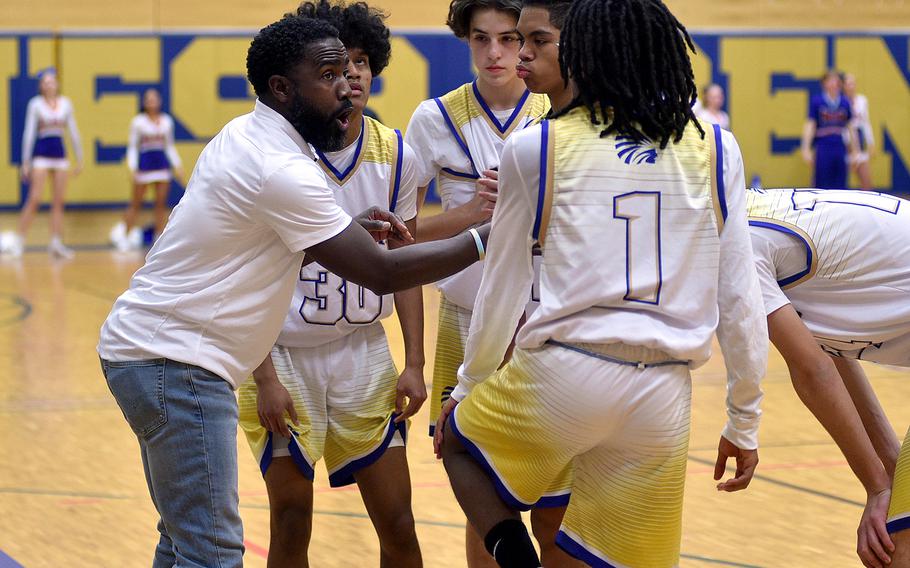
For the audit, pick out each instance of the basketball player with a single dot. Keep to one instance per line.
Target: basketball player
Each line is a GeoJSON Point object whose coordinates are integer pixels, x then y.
{"type": "Point", "coordinates": [151, 157]}
{"type": "Point", "coordinates": [830, 287]}
{"type": "Point", "coordinates": [209, 303]}
{"type": "Point", "coordinates": [331, 367]}
{"type": "Point", "coordinates": [49, 114]}
{"type": "Point", "coordinates": [458, 138]}
{"type": "Point", "coordinates": [641, 220]}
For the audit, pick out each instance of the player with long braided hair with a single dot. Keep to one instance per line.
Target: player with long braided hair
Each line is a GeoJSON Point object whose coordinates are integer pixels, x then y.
{"type": "Point", "coordinates": [639, 212]}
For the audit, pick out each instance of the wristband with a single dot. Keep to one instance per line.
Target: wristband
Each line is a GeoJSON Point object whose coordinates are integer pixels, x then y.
{"type": "Point", "coordinates": [481, 252]}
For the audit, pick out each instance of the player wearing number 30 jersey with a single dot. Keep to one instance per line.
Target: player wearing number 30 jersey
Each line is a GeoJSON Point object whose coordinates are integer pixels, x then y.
{"type": "Point", "coordinates": [333, 329]}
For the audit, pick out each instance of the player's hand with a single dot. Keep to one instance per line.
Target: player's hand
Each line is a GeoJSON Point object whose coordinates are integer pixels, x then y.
{"type": "Point", "coordinates": [385, 225]}
{"type": "Point", "coordinates": [746, 460]}
{"type": "Point", "coordinates": [410, 394]}
{"type": "Point", "coordinates": [26, 172]}
{"type": "Point", "coordinates": [488, 189]}
{"type": "Point", "coordinates": [873, 543]}
{"type": "Point", "coordinates": [447, 409]}
{"type": "Point", "coordinates": [272, 401]}
{"type": "Point", "coordinates": [78, 169]}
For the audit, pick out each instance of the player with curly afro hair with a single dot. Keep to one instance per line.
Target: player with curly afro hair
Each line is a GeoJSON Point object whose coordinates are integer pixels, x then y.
{"type": "Point", "coordinates": [358, 427]}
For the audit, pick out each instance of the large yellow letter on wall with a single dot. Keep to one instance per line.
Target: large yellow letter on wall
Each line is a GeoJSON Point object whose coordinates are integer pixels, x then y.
{"type": "Point", "coordinates": [9, 173]}
{"type": "Point", "coordinates": [756, 113]}
{"type": "Point", "coordinates": [404, 85]}
{"type": "Point", "coordinates": [105, 117]}
{"type": "Point", "coordinates": [195, 77]}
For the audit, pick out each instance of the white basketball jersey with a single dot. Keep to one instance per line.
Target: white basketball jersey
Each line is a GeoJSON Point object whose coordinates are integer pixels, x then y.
{"type": "Point", "coordinates": [457, 137]}
{"type": "Point", "coordinates": [852, 289]}
{"type": "Point", "coordinates": [377, 170]}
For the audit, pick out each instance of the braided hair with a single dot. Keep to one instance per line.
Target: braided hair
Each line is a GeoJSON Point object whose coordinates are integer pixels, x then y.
{"type": "Point", "coordinates": [629, 60]}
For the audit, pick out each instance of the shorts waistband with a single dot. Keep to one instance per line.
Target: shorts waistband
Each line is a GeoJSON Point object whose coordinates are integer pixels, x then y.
{"type": "Point", "coordinates": [622, 354]}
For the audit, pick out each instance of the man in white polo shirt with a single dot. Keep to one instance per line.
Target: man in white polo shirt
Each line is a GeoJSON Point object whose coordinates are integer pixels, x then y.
{"type": "Point", "coordinates": [210, 301]}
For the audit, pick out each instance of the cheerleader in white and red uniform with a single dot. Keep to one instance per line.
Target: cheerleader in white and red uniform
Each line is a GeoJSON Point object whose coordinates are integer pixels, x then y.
{"type": "Point", "coordinates": [153, 162]}
{"type": "Point", "coordinates": [49, 115]}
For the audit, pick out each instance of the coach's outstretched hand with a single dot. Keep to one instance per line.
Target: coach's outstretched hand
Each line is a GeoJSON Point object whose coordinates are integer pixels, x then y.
{"type": "Point", "coordinates": [746, 460]}
{"type": "Point", "coordinates": [385, 225]}
{"type": "Point", "coordinates": [873, 543]}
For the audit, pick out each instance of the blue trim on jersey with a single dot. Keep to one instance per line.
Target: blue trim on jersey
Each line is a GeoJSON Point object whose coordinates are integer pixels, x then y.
{"type": "Point", "coordinates": [577, 550]}
{"type": "Point", "coordinates": [898, 525]}
{"type": "Point", "coordinates": [452, 172]}
{"type": "Point", "coordinates": [609, 359]}
{"type": "Point", "coordinates": [719, 171]}
{"type": "Point", "coordinates": [457, 135]}
{"type": "Point", "coordinates": [393, 203]}
{"type": "Point", "coordinates": [483, 104]}
{"type": "Point", "coordinates": [790, 279]}
{"type": "Point", "coordinates": [342, 175]}
{"type": "Point", "coordinates": [345, 475]}
{"type": "Point", "coordinates": [544, 502]}
{"type": "Point", "coordinates": [296, 454]}
{"type": "Point", "coordinates": [478, 456]}
{"type": "Point", "coordinates": [542, 185]}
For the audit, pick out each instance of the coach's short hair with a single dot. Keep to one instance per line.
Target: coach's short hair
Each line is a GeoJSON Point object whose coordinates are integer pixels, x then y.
{"type": "Point", "coordinates": [461, 11]}
{"type": "Point", "coordinates": [359, 25]}
{"type": "Point", "coordinates": [280, 46]}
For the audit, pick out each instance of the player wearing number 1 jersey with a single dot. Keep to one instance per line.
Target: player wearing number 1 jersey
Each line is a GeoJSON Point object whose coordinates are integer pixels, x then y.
{"type": "Point", "coordinates": [640, 214]}
{"type": "Point", "coordinates": [331, 368]}
{"type": "Point", "coordinates": [834, 267]}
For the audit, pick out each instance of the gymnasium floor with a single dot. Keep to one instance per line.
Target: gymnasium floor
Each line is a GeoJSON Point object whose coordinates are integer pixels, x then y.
{"type": "Point", "coordinates": [72, 491]}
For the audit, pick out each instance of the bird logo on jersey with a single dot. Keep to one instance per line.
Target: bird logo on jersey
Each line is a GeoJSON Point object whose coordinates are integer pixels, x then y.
{"type": "Point", "coordinates": [635, 150]}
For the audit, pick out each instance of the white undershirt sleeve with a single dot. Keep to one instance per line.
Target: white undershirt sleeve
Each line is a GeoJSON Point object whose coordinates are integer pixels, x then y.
{"type": "Point", "coordinates": [507, 268]}
{"type": "Point", "coordinates": [742, 330]}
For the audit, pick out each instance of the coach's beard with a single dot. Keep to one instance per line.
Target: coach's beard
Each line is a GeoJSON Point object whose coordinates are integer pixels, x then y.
{"type": "Point", "coordinates": [323, 132]}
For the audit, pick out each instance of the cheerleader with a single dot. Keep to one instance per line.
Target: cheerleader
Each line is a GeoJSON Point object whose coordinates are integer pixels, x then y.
{"type": "Point", "coordinates": [861, 128]}
{"type": "Point", "coordinates": [151, 157]}
{"type": "Point", "coordinates": [43, 156]}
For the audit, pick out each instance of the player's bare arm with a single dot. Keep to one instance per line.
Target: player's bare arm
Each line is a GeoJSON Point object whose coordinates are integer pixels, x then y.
{"type": "Point", "coordinates": [458, 219]}
{"type": "Point", "coordinates": [821, 389]}
{"type": "Point", "coordinates": [272, 399]}
{"type": "Point", "coordinates": [353, 254]}
{"type": "Point", "coordinates": [412, 390]}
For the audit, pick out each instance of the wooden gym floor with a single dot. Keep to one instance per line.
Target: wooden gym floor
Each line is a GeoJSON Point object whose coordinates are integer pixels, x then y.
{"type": "Point", "coordinates": [72, 492]}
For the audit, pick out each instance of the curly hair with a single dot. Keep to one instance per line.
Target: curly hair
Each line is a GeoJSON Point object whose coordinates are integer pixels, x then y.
{"type": "Point", "coordinates": [280, 46]}
{"type": "Point", "coordinates": [559, 9]}
{"type": "Point", "coordinates": [461, 11]}
{"type": "Point", "coordinates": [631, 58]}
{"type": "Point", "coordinates": [359, 27]}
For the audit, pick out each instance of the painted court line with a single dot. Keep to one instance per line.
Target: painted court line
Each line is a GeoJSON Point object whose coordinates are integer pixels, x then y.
{"type": "Point", "coordinates": [793, 486]}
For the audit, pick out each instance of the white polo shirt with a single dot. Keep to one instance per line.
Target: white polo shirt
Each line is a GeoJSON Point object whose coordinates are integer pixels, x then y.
{"type": "Point", "coordinates": [216, 286]}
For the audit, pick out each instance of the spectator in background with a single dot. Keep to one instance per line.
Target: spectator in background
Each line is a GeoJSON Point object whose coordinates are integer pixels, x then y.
{"type": "Point", "coordinates": [711, 107]}
{"type": "Point", "coordinates": [49, 114]}
{"type": "Point", "coordinates": [861, 128]}
{"type": "Point", "coordinates": [826, 130]}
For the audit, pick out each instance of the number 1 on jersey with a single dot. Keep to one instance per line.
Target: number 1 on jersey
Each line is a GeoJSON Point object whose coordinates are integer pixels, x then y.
{"type": "Point", "coordinates": [641, 212]}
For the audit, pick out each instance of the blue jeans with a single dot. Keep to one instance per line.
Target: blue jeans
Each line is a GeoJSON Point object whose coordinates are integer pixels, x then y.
{"type": "Point", "coordinates": [186, 421]}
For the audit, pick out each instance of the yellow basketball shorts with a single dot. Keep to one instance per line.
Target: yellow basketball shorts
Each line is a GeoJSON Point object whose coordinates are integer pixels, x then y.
{"type": "Point", "coordinates": [899, 510]}
{"type": "Point", "coordinates": [344, 395]}
{"type": "Point", "coordinates": [454, 322]}
{"type": "Point", "coordinates": [622, 429]}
